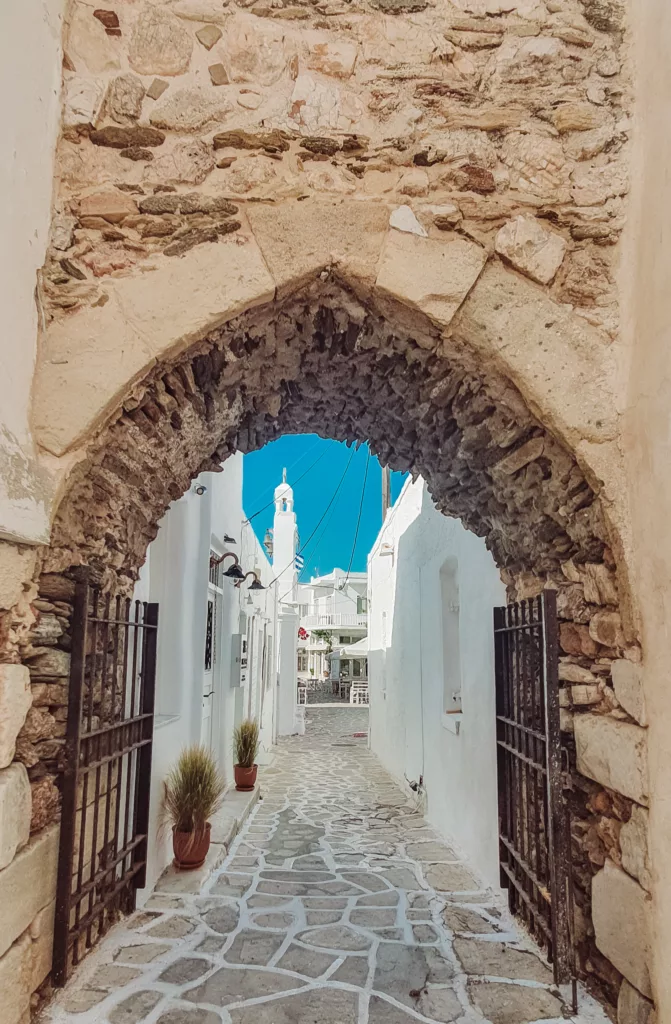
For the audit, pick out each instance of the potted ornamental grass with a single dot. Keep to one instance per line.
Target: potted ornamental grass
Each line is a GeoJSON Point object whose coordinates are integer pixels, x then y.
{"type": "Point", "coordinates": [193, 793]}
{"type": "Point", "coordinates": [246, 741]}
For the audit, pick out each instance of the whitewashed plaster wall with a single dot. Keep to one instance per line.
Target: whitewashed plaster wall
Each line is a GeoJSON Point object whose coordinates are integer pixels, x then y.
{"type": "Point", "coordinates": [260, 607]}
{"type": "Point", "coordinates": [410, 731]}
{"type": "Point", "coordinates": [176, 575]}
{"type": "Point", "coordinates": [30, 70]}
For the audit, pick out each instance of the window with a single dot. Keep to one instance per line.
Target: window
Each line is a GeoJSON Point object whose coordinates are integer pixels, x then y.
{"type": "Point", "coordinates": [214, 591]}
{"type": "Point", "coordinates": [449, 590]}
{"type": "Point", "coordinates": [302, 662]}
{"type": "Point", "coordinates": [356, 668]}
{"type": "Point", "coordinates": [303, 610]}
{"type": "Point", "coordinates": [209, 636]}
{"type": "Point", "coordinates": [362, 605]}
{"type": "Point", "coordinates": [345, 640]}
{"type": "Point", "coordinates": [269, 663]}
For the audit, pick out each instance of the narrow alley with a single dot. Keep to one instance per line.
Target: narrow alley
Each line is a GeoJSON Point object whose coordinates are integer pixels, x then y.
{"type": "Point", "coordinates": [337, 903]}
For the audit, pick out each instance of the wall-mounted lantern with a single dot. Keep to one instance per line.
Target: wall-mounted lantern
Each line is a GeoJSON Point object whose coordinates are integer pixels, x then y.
{"type": "Point", "coordinates": [256, 584]}
{"type": "Point", "coordinates": [234, 572]}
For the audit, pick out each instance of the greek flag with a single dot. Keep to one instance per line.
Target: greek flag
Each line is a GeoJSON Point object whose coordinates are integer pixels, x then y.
{"type": "Point", "coordinates": [300, 562]}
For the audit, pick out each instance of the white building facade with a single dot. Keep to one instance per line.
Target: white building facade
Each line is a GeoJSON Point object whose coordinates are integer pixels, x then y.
{"type": "Point", "coordinates": [216, 642]}
{"type": "Point", "coordinates": [432, 588]}
{"type": "Point", "coordinates": [333, 624]}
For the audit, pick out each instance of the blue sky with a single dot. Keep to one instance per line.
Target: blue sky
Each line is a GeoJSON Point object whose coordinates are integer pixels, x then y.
{"type": "Point", "coordinates": [315, 468]}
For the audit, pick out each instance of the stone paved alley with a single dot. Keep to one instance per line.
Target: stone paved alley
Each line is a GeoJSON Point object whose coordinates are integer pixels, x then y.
{"type": "Point", "coordinates": [336, 904]}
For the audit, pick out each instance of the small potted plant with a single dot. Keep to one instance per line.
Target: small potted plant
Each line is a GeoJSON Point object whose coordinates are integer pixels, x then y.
{"type": "Point", "coordinates": [193, 792]}
{"type": "Point", "coordinates": [246, 739]}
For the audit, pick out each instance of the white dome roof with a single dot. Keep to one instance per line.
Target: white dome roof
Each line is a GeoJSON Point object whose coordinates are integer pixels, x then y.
{"type": "Point", "coordinates": [283, 491]}
{"type": "Point", "coordinates": [284, 496]}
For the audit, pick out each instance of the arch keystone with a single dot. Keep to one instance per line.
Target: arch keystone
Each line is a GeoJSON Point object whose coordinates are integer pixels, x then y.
{"type": "Point", "coordinates": [300, 239]}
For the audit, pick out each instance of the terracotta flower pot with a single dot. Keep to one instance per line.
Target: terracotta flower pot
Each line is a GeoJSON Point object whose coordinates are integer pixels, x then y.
{"type": "Point", "coordinates": [245, 778]}
{"type": "Point", "coordinates": [190, 848]}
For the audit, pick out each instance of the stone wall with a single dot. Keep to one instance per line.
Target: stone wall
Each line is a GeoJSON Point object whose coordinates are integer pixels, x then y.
{"type": "Point", "coordinates": [506, 120]}
{"type": "Point", "coordinates": [33, 711]}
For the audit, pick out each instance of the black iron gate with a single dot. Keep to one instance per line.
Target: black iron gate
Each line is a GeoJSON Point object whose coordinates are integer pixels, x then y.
{"type": "Point", "coordinates": [104, 824]}
{"type": "Point", "coordinates": [534, 831]}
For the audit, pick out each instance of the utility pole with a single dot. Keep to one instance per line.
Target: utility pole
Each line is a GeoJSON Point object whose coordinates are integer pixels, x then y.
{"type": "Point", "coordinates": [386, 491]}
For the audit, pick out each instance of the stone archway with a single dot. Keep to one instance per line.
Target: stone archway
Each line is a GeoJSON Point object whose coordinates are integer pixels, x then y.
{"type": "Point", "coordinates": [226, 176]}
{"type": "Point", "coordinates": [468, 374]}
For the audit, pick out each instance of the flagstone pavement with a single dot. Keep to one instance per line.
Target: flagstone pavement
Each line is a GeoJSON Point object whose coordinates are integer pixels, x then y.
{"type": "Point", "coordinates": [337, 904]}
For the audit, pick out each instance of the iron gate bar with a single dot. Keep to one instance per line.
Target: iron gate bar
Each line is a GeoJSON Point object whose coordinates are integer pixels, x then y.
{"type": "Point", "coordinates": [559, 834]}
{"type": "Point", "coordinates": [144, 758]}
{"type": "Point", "coordinates": [107, 763]}
{"type": "Point", "coordinates": [69, 793]}
{"type": "Point", "coordinates": [522, 728]}
{"type": "Point", "coordinates": [534, 836]}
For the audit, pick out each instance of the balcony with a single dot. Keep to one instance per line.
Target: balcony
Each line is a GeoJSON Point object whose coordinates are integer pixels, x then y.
{"type": "Point", "coordinates": [336, 620]}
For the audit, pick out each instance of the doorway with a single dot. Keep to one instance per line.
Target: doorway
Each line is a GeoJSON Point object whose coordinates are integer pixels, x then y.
{"type": "Point", "coordinates": [212, 665]}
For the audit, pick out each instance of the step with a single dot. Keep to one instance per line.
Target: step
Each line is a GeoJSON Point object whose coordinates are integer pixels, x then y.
{"type": "Point", "coordinates": [226, 823]}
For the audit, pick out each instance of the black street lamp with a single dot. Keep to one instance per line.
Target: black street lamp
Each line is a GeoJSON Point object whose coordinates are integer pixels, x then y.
{"type": "Point", "coordinates": [255, 585]}
{"type": "Point", "coordinates": [234, 572]}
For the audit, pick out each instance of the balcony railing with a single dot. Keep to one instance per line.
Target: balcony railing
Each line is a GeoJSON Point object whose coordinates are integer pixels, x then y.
{"type": "Point", "coordinates": [335, 620]}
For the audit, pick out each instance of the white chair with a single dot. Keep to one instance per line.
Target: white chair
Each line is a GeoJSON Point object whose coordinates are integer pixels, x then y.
{"type": "Point", "coordinates": [358, 694]}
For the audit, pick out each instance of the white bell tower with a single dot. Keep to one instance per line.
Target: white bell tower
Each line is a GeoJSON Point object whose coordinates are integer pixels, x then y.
{"type": "Point", "coordinates": [285, 545]}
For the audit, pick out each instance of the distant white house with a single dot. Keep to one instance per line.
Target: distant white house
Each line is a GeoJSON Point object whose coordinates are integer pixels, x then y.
{"type": "Point", "coordinates": [333, 626]}
{"type": "Point", "coordinates": [322, 625]}
{"type": "Point", "coordinates": [432, 588]}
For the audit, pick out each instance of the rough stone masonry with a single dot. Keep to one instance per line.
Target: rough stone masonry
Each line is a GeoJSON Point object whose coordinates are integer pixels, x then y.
{"type": "Point", "coordinates": [506, 120]}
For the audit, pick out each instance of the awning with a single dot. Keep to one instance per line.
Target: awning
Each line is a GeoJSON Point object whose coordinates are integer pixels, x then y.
{"type": "Point", "coordinates": [357, 650]}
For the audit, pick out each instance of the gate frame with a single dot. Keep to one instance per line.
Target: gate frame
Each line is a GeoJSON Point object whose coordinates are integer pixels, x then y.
{"type": "Point", "coordinates": [112, 885]}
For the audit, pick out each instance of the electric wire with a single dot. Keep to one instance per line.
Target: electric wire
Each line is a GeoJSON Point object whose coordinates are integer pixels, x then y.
{"type": "Point", "coordinates": [358, 521]}
{"type": "Point", "coordinates": [332, 506]}
{"type": "Point", "coordinates": [290, 467]}
{"type": "Point", "coordinates": [323, 516]}
{"type": "Point", "coordinates": [298, 479]}
{"type": "Point", "coordinates": [317, 545]}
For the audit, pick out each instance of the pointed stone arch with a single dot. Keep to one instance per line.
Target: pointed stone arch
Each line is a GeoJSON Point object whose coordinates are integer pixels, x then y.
{"type": "Point", "coordinates": [452, 305]}
{"type": "Point", "coordinates": [321, 318]}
